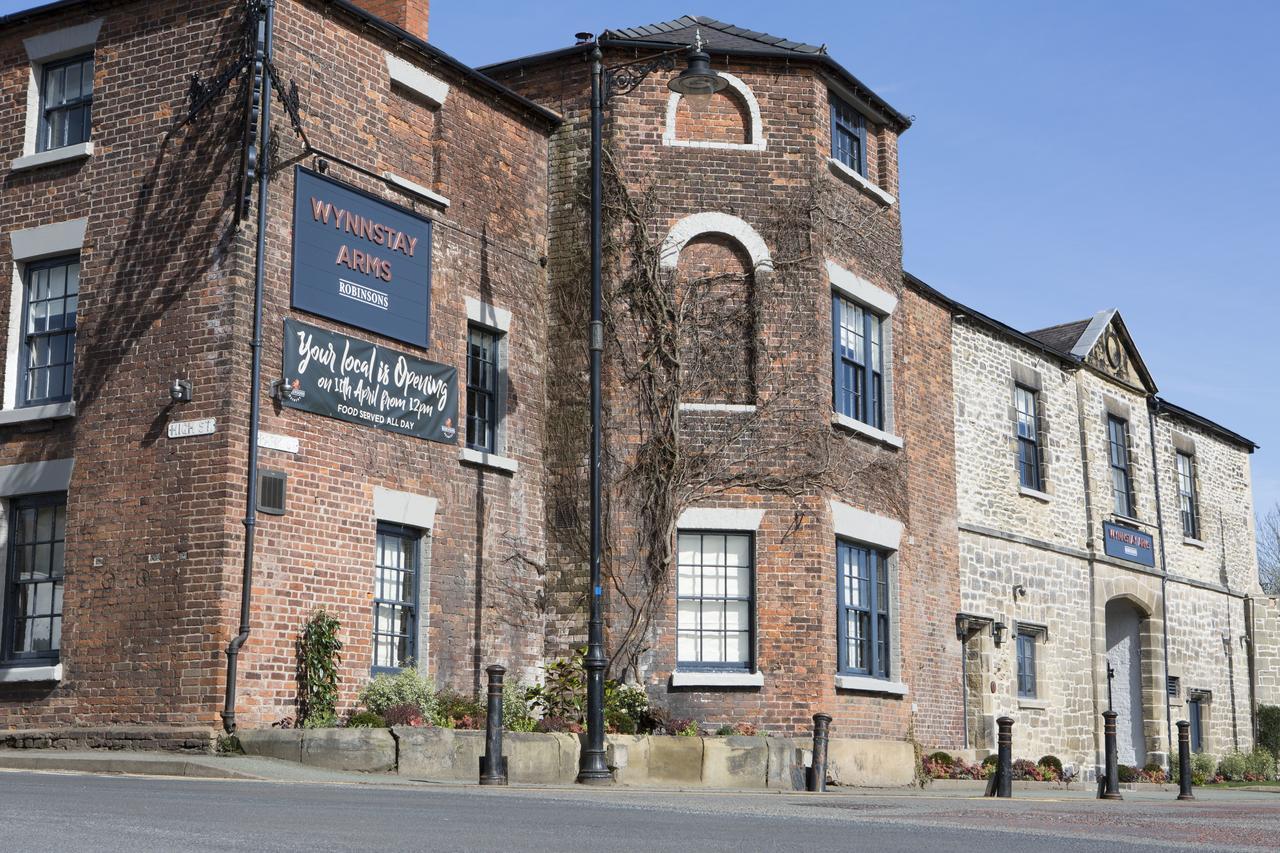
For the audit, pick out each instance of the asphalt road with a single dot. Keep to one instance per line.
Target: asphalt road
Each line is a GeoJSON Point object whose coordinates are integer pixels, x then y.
{"type": "Point", "coordinates": [60, 811]}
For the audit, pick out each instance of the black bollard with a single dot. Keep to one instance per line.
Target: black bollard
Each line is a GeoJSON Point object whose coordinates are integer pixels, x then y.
{"type": "Point", "coordinates": [1110, 788]}
{"type": "Point", "coordinates": [1184, 761]}
{"type": "Point", "coordinates": [1004, 758]}
{"type": "Point", "coordinates": [816, 778]}
{"type": "Point", "coordinates": [493, 764]}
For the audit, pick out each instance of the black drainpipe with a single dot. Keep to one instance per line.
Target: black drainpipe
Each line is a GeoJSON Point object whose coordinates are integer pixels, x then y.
{"type": "Point", "coordinates": [1153, 408]}
{"type": "Point", "coordinates": [262, 56]}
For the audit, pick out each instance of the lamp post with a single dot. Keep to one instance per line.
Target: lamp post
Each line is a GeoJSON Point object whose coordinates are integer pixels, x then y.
{"type": "Point", "coordinates": [700, 82]}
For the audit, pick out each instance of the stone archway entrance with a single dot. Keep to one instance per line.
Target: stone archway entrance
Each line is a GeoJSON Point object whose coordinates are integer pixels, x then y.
{"type": "Point", "coordinates": [1125, 654]}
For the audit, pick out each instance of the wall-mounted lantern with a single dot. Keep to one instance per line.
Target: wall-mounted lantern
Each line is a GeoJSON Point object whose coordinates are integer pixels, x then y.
{"type": "Point", "coordinates": [997, 632]}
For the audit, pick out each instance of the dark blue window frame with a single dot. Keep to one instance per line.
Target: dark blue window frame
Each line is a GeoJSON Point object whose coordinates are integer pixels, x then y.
{"type": "Point", "coordinates": [848, 135]}
{"type": "Point", "coordinates": [389, 598]}
{"type": "Point", "coordinates": [44, 336]}
{"type": "Point", "coordinates": [1121, 476]}
{"type": "Point", "coordinates": [483, 387]}
{"type": "Point", "coordinates": [43, 559]}
{"type": "Point", "coordinates": [724, 599]}
{"type": "Point", "coordinates": [857, 361]}
{"type": "Point", "coordinates": [65, 120]}
{"type": "Point", "coordinates": [1026, 664]}
{"type": "Point", "coordinates": [1195, 717]}
{"type": "Point", "coordinates": [869, 610]}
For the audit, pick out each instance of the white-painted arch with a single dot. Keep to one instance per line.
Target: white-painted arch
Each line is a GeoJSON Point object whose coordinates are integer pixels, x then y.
{"type": "Point", "coordinates": [756, 129]}
{"type": "Point", "coordinates": [715, 223]}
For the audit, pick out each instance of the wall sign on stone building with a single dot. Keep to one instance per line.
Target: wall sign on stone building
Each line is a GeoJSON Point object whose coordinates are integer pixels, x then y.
{"type": "Point", "coordinates": [360, 260]}
{"type": "Point", "coordinates": [331, 374]}
{"type": "Point", "coordinates": [1128, 544]}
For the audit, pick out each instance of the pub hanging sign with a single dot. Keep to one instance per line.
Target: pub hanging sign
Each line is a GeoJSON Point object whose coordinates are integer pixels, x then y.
{"type": "Point", "coordinates": [331, 374]}
{"type": "Point", "coordinates": [360, 260]}
{"type": "Point", "coordinates": [1128, 544]}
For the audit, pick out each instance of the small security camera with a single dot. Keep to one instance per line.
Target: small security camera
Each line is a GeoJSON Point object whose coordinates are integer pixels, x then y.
{"type": "Point", "coordinates": [180, 391]}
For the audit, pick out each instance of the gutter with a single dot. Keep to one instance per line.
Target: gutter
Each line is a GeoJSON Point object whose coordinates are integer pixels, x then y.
{"type": "Point", "coordinates": [1153, 408]}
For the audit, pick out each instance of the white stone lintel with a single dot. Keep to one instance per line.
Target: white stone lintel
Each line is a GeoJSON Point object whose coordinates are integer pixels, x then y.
{"type": "Point", "coordinates": [740, 408]}
{"type": "Point", "coordinates": [855, 425]}
{"type": "Point", "coordinates": [33, 478]}
{"type": "Point", "coordinates": [720, 518]}
{"type": "Point", "coordinates": [417, 189]}
{"type": "Point", "coordinates": [1026, 704]}
{"type": "Point", "coordinates": [867, 684]}
{"type": "Point", "coordinates": [488, 315]}
{"type": "Point", "coordinates": [65, 154]}
{"type": "Point", "coordinates": [717, 679]}
{"type": "Point", "coordinates": [62, 43]}
{"type": "Point", "coordinates": [431, 88]}
{"type": "Point", "coordinates": [859, 289]}
{"type": "Point", "coordinates": [44, 241]}
{"type": "Point", "coordinates": [851, 176]}
{"type": "Point", "coordinates": [404, 508]}
{"type": "Point", "coordinates": [488, 460]}
{"type": "Point", "coordinates": [862, 526]}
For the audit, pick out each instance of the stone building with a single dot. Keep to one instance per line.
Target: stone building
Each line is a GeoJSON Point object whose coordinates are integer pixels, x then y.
{"type": "Point", "coordinates": [1100, 526]}
{"type": "Point", "coordinates": [123, 238]}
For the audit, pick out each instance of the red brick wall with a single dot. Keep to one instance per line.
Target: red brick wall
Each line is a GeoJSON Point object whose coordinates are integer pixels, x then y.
{"type": "Point", "coordinates": [155, 539]}
{"type": "Point", "coordinates": [795, 545]}
{"type": "Point", "coordinates": [725, 119]}
{"type": "Point", "coordinates": [409, 15]}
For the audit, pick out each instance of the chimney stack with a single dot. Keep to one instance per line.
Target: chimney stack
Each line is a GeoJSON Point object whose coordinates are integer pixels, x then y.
{"type": "Point", "coordinates": [408, 15]}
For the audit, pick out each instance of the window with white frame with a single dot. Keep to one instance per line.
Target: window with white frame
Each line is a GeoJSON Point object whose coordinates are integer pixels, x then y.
{"type": "Point", "coordinates": [1122, 497]}
{"type": "Point", "coordinates": [848, 135]}
{"type": "Point", "coordinates": [395, 597]}
{"type": "Point", "coordinates": [863, 626]}
{"type": "Point", "coordinates": [66, 102]}
{"type": "Point", "coordinates": [1188, 504]}
{"type": "Point", "coordinates": [50, 302]}
{"type": "Point", "coordinates": [714, 601]}
{"type": "Point", "coordinates": [857, 361]}
{"type": "Point", "coordinates": [1026, 403]}
{"type": "Point", "coordinates": [32, 618]}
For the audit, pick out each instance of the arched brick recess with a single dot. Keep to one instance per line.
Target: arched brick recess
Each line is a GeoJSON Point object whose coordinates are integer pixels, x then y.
{"type": "Point", "coordinates": [736, 107]}
{"type": "Point", "coordinates": [714, 284]}
{"type": "Point", "coordinates": [716, 223]}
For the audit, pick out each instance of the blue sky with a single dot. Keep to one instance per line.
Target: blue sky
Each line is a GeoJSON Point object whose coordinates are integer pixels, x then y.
{"type": "Point", "coordinates": [1066, 157]}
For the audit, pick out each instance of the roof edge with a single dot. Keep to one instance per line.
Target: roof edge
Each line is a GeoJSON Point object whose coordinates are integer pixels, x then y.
{"type": "Point", "coordinates": [1160, 404]}
{"type": "Point", "coordinates": [900, 121]}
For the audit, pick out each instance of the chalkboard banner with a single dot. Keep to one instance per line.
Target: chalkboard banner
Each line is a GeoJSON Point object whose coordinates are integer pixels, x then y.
{"type": "Point", "coordinates": [331, 374]}
{"type": "Point", "coordinates": [360, 260]}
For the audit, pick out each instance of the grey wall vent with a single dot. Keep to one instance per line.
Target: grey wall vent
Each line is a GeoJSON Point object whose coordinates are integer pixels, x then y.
{"type": "Point", "coordinates": [271, 492]}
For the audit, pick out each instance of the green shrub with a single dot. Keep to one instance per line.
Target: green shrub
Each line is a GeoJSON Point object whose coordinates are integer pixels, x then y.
{"type": "Point", "coordinates": [942, 759]}
{"type": "Point", "coordinates": [563, 692]}
{"type": "Point", "coordinates": [1052, 762]}
{"type": "Point", "coordinates": [407, 687]}
{"type": "Point", "coordinates": [1127, 773]}
{"type": "Point", "coordinates": [1232, 767]}
{"type": "Point", "coordinates": [366, 720]}
{"type": "Point", "coordinates": [1260, 764]}
{"type": "Point", "coordinates": [1202, 767]}
{"type": "Point", "coordinates": [455, 711]}
{"type": "Point", "coordinates": [516, 715]}
{"type": "Point", "coordinates": [1153, 767]}
{"type": "Point", "coordinates": [1269, 728]}
{"type": "Point", "coordinates": [626, 707]}
{"type": "Point", "coordinates": [991, 760]}
{"type": "Point", "coordinates": [319, 652]}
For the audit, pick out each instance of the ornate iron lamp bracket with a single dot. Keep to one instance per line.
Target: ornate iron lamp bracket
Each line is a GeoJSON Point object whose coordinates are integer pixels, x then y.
{"type": "Point", "coordinates": [624, 79]}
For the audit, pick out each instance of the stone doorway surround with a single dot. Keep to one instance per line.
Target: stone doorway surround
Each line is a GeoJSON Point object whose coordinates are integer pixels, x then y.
{"type": "Point", "coordinates": [1117, 593]}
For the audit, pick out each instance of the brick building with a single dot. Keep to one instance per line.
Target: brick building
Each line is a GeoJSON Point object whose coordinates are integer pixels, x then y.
{"type": "Point", "coordinates": [1100, 525]}
{"type": "Point", "coordinates": [784, 433]}
{"type": "Point", "coordinates": [779, 491]}
{"type": "Point", "coordinates": [134, 214]}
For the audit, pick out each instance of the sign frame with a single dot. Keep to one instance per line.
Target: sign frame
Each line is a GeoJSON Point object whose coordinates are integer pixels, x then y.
{"type": "Point", "coordinates": [1116, 543]}
{"type": "Point", "coordinates": [365, 292]}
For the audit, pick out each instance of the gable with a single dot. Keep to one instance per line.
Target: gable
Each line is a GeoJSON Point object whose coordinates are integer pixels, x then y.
{"type": "Point", "coordinates": [1107, 347]}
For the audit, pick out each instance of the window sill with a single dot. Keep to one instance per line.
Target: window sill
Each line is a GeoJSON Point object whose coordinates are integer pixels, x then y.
{"type": "Point", "coordinates": [49, 158]}
{"type": "Point", "coordinates": [50, 412]}
{"type": "Point", "coordinates": [1028, 704]}
{"type": "Point", "coordinates": [1043, 497]}
{"type": "Point", "coordinates": [1193, 542]}
{"type": "Point", "coordinates": [1127, 520]}
{"type": "Point", "coordinates": [21, 674]}
{"type": "Point", "coordinates": [488, 460]}
{"type": "Point", "coordinates": [869, 431]}
{"type": "Point", "coordinates": [717, 679]}
{"type": "Point", "coordinates": [867, 684]}
{"type": "Point", "coordinates": [850, 176]}
{"type": "Point", "coordinates": [417, 189]}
